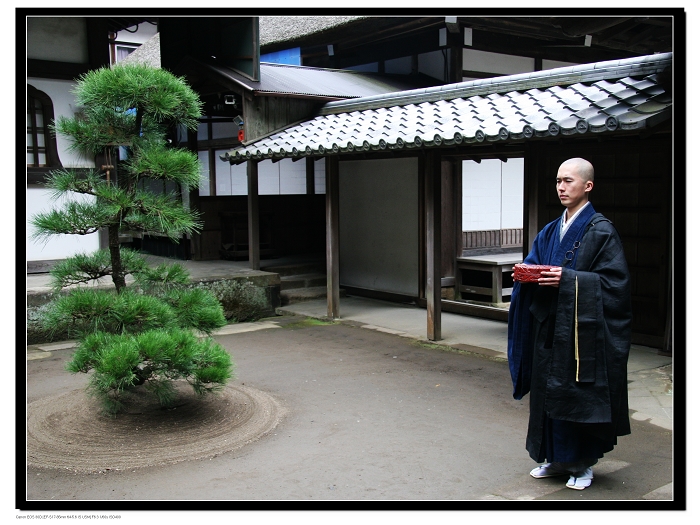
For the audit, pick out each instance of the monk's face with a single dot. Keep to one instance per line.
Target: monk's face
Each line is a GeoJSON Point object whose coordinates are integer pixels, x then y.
{"type": "Point", "coordinates": [572, 189]}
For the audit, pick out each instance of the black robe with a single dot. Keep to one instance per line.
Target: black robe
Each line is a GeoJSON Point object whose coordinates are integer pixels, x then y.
{"type": "Point", "coordinates": [578, 392]}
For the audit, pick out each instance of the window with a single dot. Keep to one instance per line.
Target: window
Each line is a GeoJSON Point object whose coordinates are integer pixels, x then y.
{"type": "Point", "coordinates": [215, 137]}
{"type": "Point", "coordinates": [122, 51]}
{"type": "Point", "coordinates": [42, 153]}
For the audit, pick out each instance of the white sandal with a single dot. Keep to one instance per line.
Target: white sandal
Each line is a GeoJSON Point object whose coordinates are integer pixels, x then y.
{"type": "Point", "coordinates": [581, 481]}
{"type": "Point", "coordinates": [547, 471]}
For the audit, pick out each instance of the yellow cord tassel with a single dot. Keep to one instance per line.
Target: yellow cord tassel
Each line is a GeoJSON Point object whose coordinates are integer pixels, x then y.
{"type": "Point", "coordinates": [576, 330]}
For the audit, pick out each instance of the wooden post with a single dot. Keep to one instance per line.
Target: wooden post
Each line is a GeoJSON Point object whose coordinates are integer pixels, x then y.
{"type": "Point", "coordinates": [253, 216]}
{"type": "Point", "coordinates": [332, 252]}
{"type": "Point", "coordinates": [455, 41]}
{"type": "Point", "coordinates": [310, 177]}
{"type": "Point", "coordinates": [531, 202]}
{"type": "Point", "coordinates": [433, 244]}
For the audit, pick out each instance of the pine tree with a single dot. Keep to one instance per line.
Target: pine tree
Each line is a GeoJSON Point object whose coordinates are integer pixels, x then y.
{"type": "Point", "coordinates": [145, 335]}
{"type": "Point", "coordinates": [129, 107]}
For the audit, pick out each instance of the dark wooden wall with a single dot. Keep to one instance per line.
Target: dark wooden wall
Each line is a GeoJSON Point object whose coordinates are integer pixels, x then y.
{"type": "Point", "coordinates": [297, 223]}
{"type": "Point", "coordinates": [633, 189]}
{"type": "Point", "coordinates": [263, 115]}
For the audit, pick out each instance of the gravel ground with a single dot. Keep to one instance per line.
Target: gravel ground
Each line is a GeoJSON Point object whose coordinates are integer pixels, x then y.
{"type": "Point", "coordinates": [336, 413]}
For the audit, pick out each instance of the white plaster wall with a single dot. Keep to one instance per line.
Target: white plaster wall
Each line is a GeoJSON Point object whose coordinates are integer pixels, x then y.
{"type": "Point", "coordinates": [268, 178]}
{"type": "Point", "coordinates": [239, 178]}
{"type": "Point", "coordinates": [292, 177]}
{"type": "Point", "coordinates": [378, 230]}
{"type": "Point", "coordinates": [492, 194]}
{"type": "Point", "coordinates": [285, 177]}
{"type": "Point", "coordinates": [433, 64]}
{"type": "Point", "coordinates": [204, 189]}
{"type": "Point", "coordinates": [475, 60]}
{"type": "Point", "coordinates": [320, 176]}
{"type": "Point", "coordinates": [137, 34]}
{"type": "Point", "coordinates": [481, 195]}
{"type": "Point", "coordinates": [223, 177]}
{"type": "Point", "coordinates": [552, 64]}
{"type": "Point", "coordinates": [230, 179]}
{"type": "Point", "coordinates": [512, 193]}
{"type": "Point", "coordinates": [60, 246]}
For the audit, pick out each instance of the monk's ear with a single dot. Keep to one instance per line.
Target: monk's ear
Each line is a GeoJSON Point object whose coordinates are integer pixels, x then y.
{"type": "Point", "coordinates": [589, 186]}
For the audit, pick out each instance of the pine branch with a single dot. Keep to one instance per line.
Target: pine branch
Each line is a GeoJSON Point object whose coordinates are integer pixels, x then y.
{"type": "Point", "coordinates": [84, 268]}
{"type": "Point", "coordinates": [161, 214]}
{"type": "Point", "coordinates": [170, 164]}
{"type": "Point", "coordinates": [75, 218]}
{"type": "Point", "coordinates": [86, 182]}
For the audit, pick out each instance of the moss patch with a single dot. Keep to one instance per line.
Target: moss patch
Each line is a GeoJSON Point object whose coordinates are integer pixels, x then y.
{"type": "Point", "coordinates": [307, 322]}
{"type": "Point", "coordinates": [446, 348]}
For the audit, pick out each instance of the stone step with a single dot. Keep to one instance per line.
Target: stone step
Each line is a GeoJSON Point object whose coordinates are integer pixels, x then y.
{"type": "Point", "coordinates": [298, 295]}
{"type": "Point", "coordinates": [309, 280]}
{"type": "Point", "coordinates": [302, 268]}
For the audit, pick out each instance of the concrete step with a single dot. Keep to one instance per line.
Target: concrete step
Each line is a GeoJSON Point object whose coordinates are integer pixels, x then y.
{"type": "Point", "coordinates": [308, 280]}
{"type": "Point", "coordinates": [302, 268]}
{"type": "Point", "coordinates": [298, 295]}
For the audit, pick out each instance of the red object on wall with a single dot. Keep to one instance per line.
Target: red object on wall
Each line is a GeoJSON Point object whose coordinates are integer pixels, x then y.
{"type": "Point", "coordinates": [241, 135]}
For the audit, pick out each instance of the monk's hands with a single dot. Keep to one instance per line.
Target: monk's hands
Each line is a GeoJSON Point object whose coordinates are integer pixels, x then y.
{"type": "Point", "coordinates": [550, 278]}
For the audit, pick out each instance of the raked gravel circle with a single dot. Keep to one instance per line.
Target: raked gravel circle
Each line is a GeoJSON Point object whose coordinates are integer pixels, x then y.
{"type": "Point", "coordinates": [69, 432]}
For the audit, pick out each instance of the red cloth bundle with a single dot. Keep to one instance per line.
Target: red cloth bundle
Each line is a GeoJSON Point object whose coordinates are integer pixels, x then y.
{"type": "Point", "coordinates": [529, 273]}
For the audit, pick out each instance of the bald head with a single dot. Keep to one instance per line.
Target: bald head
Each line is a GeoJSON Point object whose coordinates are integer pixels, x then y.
{"type": "Point", "coordinates": [580, 166]}
{"type": "Point", "coordinates": [574, 183]}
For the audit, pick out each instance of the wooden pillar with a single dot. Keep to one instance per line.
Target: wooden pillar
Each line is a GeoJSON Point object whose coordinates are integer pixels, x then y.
{"type": "Point", "coordinates": [455, 41]}
{"type": "Point", "coordinates": [310, 177]}
{"type": "Point", "coordinates": [531, 203]}
{"type": "Point", "coordinates": [433, 244]}
{"type": "Point", "coordinates": [253, 216]}
{"type": "Point", "coordinates": [458, 198]}
{"type": "Point", "coordinates": [332, 252]}
{"type": "Point", "coordinates": [447, 219]}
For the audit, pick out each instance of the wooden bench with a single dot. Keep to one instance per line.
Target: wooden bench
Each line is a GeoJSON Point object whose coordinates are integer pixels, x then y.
{"type": "Point", "coordinates": [493, 265]}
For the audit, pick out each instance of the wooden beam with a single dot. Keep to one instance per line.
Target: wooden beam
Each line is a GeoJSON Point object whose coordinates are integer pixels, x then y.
{"type": "Point", "coordinates": [253, 216]}
{"type": "Point", "coordinates": [433, 237]}
{"type": "Point", "coordinates": [332, 251]}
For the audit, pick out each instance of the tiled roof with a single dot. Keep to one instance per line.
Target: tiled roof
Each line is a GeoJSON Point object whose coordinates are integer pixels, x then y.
{"type": "Point", "coordinates": [590, 98]}
{"type": "Point", "coordinates": [284, 79]}
{"type": "Point", "coordinates": [276, 29]}
{"type": "Point", "coordinates": [280, 79]}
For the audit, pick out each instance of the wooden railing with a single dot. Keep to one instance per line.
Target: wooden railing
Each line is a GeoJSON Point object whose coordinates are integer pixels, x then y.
{"type": "Point", "coordinates": [508, 238]}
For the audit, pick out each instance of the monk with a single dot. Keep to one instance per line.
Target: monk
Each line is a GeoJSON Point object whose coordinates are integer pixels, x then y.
{"type": "Point", "coordinates": [569, 336]}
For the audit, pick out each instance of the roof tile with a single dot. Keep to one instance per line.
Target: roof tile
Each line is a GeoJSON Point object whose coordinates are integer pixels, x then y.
{"type": "Point", "coordinates": [650, 106]}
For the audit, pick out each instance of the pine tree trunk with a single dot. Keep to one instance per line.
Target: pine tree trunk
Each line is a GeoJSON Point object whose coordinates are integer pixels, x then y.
{"type": "Point", "coordinates": [116, 258]}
